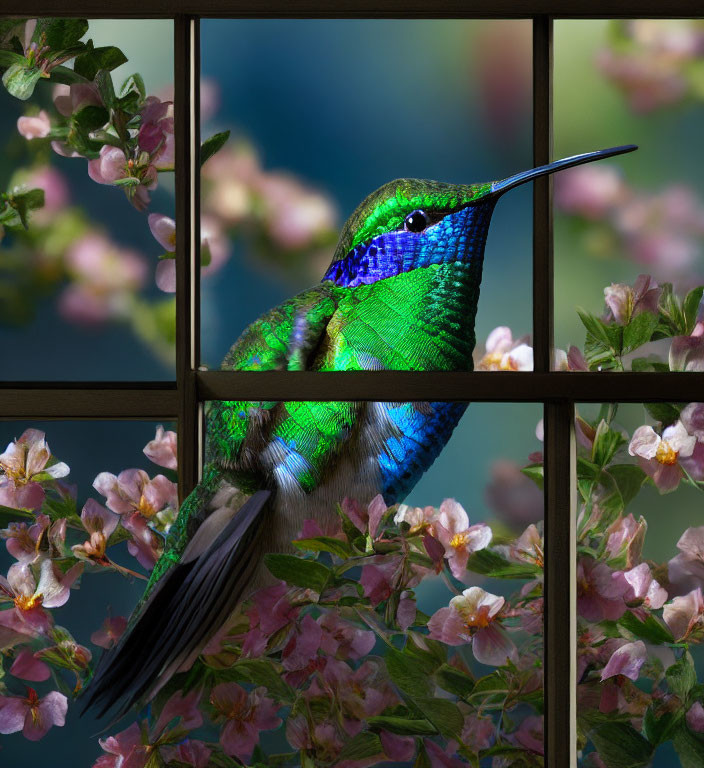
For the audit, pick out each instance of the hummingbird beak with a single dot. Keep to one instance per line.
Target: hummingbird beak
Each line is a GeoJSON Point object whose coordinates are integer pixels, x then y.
{"type": "Point", "coordinates": [499, 187]}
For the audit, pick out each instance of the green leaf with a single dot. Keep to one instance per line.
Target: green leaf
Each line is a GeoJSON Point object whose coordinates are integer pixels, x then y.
{"type": "Point", "coordinates": [324, 543]}
{"type": "Point", "coordinates": [8, 58]}
{"type": "Point", "coordinates": [690, 306]}
{"type": "Point", "coordinates": [651, 630]}
{"type": "Point", "coordinates": [107, 57]}
{"type": "Point", "coordinates": [26, 201]}
{"type": "Point", "coordinates": [606, 442]}
{"type": "Point", "coordinates": [665, 413]}
{"type": "Point", "coordinates": [681, 676]}
{"type": "Point", "coordinates": [491, 563]}
{"type": "Point", "coordinates": [91, 117]}
{"type": "Point", "coordinates": [443, 714]}
{"type": "Point", "coordinates": [403, 726]}
{"type": "Point", "coordinates": [212, 145]}
{"type": "Point", "coordinates": [60, 34]}
{"type": "Point", "coordinates": [429, 653]}
{"type": "Point", "coordinates": [263, 672]}
{"type": "Point", "coordinates": [127, 181]}
{"type": "Point", "coordinates": [689, 747]}
{"type": "Point", "coordinates": [658, 729]}
{"type": "Point", "coordinates": [535, 473]}
{"type": "Point", "coordinates": [407, 674]}
{"type": "Point", "coordinates": [134, 83]}
{"type": "Point", "coordinates": [20, 80]}
{"type": "Point", "coordinates": [65, 76]}
{"type": "Point", "coordinates": [103, 80]}
{"type": "Point", "coordinates": [450, 679]}
{"type": "Point", "coordinates": [10, 515]}
{"type": "Point", "coordinates": [298, 572]}
{"type": "Point", "coordinates": [621, 746]}
{"type": "Point", "coordinates": [639, 331]}
{"type": "Point", "coordinates": [363, 745]}
{"type": "Point", "coordinates": [628, 479]}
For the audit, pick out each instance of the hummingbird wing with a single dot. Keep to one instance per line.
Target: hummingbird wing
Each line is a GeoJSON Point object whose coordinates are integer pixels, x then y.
{"type": "Point", "coordinates": [211, 554]}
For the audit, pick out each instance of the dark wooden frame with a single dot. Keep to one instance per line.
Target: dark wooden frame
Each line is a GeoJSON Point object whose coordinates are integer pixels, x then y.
{"type": "Point", "coordinates": [558, 392]}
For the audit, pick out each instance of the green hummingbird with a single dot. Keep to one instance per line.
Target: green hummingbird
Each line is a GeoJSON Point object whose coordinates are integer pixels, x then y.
{"type": "Point", "coordinates": [401, 293]}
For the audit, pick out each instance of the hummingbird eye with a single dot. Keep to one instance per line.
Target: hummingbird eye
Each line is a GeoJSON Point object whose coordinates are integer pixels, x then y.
{"type": "Point", "coordinates": [416, 221]}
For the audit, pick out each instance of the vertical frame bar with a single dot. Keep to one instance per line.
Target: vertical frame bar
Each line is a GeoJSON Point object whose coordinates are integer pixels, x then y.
{"type": "Point", "coordinates": [187, 135]}
{"type": "Point", "coordinates": [560, 619]}
{"type": "Point", "coordinates": [542, 195]}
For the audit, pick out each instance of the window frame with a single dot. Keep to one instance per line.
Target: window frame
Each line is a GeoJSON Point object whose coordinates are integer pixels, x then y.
{"type": "Point", "coordinates": [558, 392]}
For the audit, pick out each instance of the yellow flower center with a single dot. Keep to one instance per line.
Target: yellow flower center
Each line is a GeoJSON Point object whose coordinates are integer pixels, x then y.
{"type": "Point", "coordinates": [27, 602]}
{"type": "Point", "coordinates": [496, 361]}
{"type": "Point", "coordinates": [665, 453]}
{"type": "Point", "coordinates": [459, 540]}
{"type": "Point", "coordinates": [145, 508]}
{"type": "Point", "coordinates": [475, 620]}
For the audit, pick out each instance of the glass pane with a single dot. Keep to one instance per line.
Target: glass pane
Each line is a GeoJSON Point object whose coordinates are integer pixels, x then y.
{"type": "Point", "coordinates": [639, 578]}
{"type": "Point", "coordinates": [445, 100]}
{"type": "Point", "coordinates": [48, 477]}
{"type": "Point", "coordinates": [78, 296]}
{"type": "Point", "coordinates": [637, 214]}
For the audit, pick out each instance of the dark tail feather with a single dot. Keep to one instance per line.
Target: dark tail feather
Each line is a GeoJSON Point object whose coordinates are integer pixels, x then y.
{"type": "Point", "coordinates": [187, 606]}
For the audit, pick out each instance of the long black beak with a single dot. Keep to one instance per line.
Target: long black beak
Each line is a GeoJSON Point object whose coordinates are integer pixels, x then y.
{"type": "Point", "coordinates": [499, 187]}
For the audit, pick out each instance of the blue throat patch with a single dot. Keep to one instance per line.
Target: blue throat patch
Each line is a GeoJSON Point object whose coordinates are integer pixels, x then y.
{"type": "Point", "coordinates": [458, 236]}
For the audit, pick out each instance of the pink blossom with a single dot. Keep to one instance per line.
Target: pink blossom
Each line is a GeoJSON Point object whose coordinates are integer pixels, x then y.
{"type": "Point", "coordinates": [406, 611]}
{"type": "Point", "coordinates": [627, 661]}
{"type": "Point", "coordinates": [528, 548]}
{"type": "Point", "coordinates": [294, 216]}
{"type": "Point", "coordinates": [473, 617]}
{"type": "Point", "coordinates": [420, 519]}
{"type": "Point", "coordinates": [342, 639]}
{"type": "Point", "coordinates": [245, 714]}
{"type": "Point", "coordinates": [133, 491]}
{"type": "Point", "coordinates": [56, 194]}
{"type": "Point", "coordinates": [530, 734]}
{"type": "Point", "coordinates": [443, 758]}
{"type": "Point", "coordinates": [111, 631]}
{"type": "Point", "coordinates": [156, 133]}
{"type": "Point", "coordinates": [71, 99]}
{"type": "Point", "coordinates": [144, 544]}
{"type": "Point", "coordinates": [112, 165]}
{"type": "Point", "coordinates": [378, 581]}
{"type": "Point", "coordinates": [27, 666]}
{"type": "Point", "coordinates": [215, 242]}
{"type": "Point", "coordinates": [31, 598]}
{"type": "Point", "coordinates": [23, 540]}
{"type": "Point", "coordinates": [460, 539]}
{"type": "Point", "coordinates": [366, 519]}
{"type": "Point", "coordinates": [183, 707]}
{"type": "Point", "coordinates": [125, 750]}
{"type": "Point", "coordinates": [478, 732]}
{"type": "Point", "coordinates": [35, 126]}
{"type": "Point", "coordinates": [162, 449]}
{"type": "Point", "coordinates": [270, 611]}
{"type": "Point", "coordinates": [625, 302]}
{"type": "Point", "coordinates": [100, 524]}
{"type": "Point", "coordinates": [303, 644]}
{"type": "Point", "coordinates": [164, 230]}
{"type": "Point", "coordinates": [513, 497]}
{"type": "Point", "coordinates": [644, 590]}
{"type": "Point", "coordinates": [591, 191]}
{"type": "Point", "coordinates": [600, 591]}
{"type": "Point", "coordinates": [191, 752]}
{"type": "Point", "coordinates": [165, 275]}
{"type": "Point", "coordinates": [625, 538]}
{"type": "Point", "coordinates": [397, 748]}
{"type": "Point", "coordinates": [684, 615]}
{"type": "Point", "coordinates": [575, 360]}
{"type": "Point", "coordinates": [658, 456]}
{"type": "Point", "coordinates": [361, 693]}
{"type": "Point", "coordinates": [695, 717]}
{"type": "Point", "coordinates": [505, 354]}
{"type": "Point", "coordinates": [25, 464]}
{"type": "Point", "coordinates": [687, 353]}
{"type": "Point", "coordinates": [32, 715]}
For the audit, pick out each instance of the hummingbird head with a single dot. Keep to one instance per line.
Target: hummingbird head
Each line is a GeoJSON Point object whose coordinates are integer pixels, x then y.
{"type": "Point", "coordinates": [409, 223]}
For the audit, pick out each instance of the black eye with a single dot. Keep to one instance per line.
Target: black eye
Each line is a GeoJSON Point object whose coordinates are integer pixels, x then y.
{"type": "Point", "coordinates": [416, 221]}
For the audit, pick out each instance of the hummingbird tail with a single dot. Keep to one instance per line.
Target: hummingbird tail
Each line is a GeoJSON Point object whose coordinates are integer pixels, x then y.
{"type": "Point", "coordinates": [185, 608]}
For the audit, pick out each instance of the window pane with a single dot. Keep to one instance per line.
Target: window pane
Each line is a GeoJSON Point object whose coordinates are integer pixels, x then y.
{"type": "Point", "coordinates": [78, 296]}
{"type": "Point", "coordinates": [322, 113]}
{"type": "Point", "coordinates": [629, 82]}
{"type": "Point", "coordinates": [639, 579]}
{"type": "Point", "coordinates": [36, 495]}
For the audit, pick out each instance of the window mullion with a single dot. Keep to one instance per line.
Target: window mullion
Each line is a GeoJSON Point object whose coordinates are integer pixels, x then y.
{"type": "Point", "coordinates": [187, 136]}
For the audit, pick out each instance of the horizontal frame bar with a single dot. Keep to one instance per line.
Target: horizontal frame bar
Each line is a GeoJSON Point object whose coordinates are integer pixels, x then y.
{"type": "Point", "coordinates": [137, 400]}
{"type": "Point", "coordinates": [453, 9]}
{"type": "Point", "coordinates": [514, 386]}
{"type": "Point", "coordinates": [88, 401]}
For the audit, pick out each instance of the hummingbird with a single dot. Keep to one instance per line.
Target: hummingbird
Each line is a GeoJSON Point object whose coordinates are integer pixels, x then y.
{"type": "Point", "coordinates": [401, 293]}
